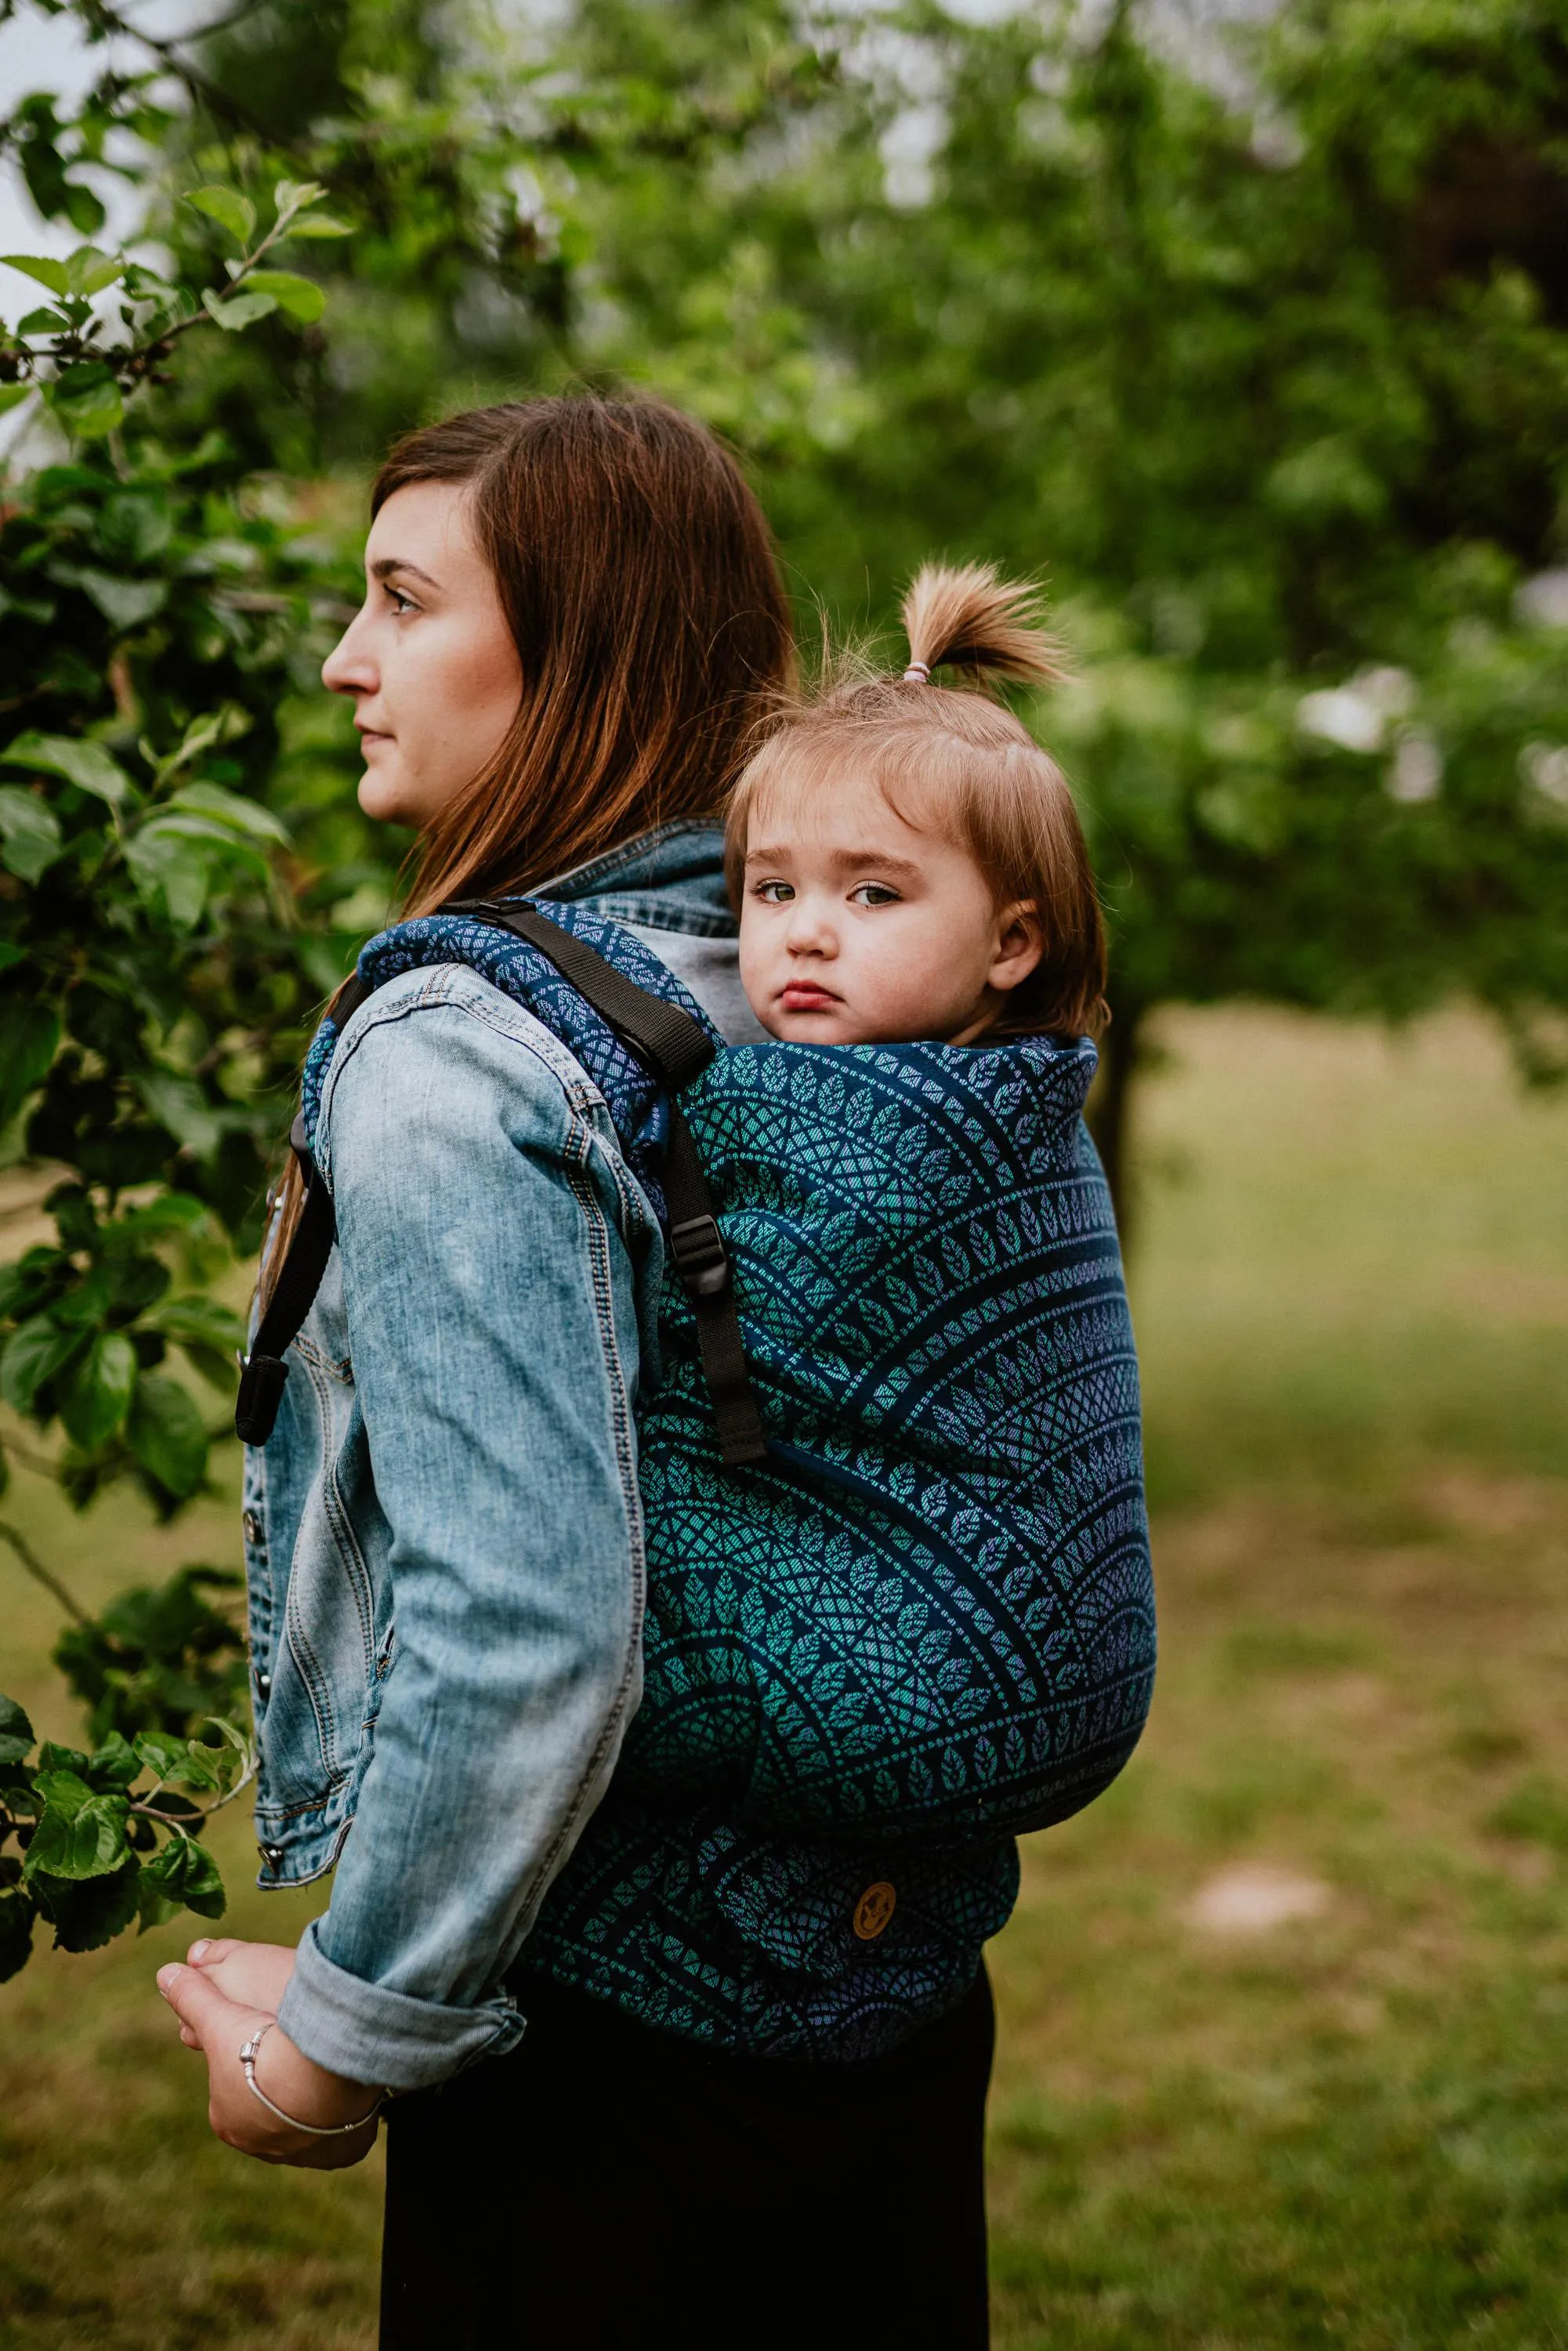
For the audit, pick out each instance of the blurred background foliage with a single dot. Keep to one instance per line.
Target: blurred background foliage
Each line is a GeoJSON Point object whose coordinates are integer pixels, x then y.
{"type": "Point", "coordinates": [1253, 338]}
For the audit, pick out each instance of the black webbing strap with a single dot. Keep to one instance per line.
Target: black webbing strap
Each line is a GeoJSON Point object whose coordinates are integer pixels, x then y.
{"type": "Point", "coordinates": [676, 1049]}
{"type": "Point", "coordinates": [264, 1370]}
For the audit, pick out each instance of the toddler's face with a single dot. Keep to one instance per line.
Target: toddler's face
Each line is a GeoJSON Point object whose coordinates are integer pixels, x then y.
{"type": "Point", "coordinates": [857, 928]}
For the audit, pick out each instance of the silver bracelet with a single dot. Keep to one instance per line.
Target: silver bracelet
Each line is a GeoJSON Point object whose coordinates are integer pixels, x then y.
{"type": "Point", "coordinates": [316, 2130]}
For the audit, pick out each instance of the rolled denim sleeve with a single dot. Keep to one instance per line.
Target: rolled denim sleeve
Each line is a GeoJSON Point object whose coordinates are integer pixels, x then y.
{"type": "Point", "coordinates": [489, 1240]}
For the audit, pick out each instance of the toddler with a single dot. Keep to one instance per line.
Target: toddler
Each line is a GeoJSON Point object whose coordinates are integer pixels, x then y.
{"type": "Point", "coordinates": [907, 861]}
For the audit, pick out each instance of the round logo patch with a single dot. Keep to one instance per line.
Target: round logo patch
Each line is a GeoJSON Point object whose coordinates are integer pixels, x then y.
{"type": "Point", "coordinates": [874, 1910]}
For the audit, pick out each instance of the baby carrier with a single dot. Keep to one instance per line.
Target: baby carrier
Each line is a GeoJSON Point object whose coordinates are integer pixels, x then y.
{"type": "Point", "coordinates": [898, 1566]}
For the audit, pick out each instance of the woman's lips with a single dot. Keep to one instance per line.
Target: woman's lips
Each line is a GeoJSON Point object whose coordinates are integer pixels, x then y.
{"type": "Point", "coordinates": [801, 996]}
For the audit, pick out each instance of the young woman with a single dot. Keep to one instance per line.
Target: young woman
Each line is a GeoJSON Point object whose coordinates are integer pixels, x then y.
{"type": "Point", "coordinates": [655, 2079]}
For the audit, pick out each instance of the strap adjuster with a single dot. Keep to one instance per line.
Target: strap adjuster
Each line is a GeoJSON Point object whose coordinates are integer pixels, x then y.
{"type": "Point", "coordinates": [697, 1248]}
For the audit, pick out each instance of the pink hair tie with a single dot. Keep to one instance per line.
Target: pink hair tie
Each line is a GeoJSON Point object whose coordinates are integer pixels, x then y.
{"type": "Point", "coordinates": [917, 674]}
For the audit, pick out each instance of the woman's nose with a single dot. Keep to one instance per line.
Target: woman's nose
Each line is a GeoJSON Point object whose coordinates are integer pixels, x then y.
{"type": "Point", "coordinates": [347, 668]}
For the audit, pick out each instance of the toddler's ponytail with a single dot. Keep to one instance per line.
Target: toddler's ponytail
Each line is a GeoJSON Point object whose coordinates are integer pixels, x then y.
{"type": "Point", "coordinates": [967, 617]}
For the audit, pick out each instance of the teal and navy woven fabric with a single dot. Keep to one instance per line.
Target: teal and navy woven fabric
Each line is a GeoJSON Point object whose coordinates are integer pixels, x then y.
{"type": "Point", "coordinates": [927, 1622]}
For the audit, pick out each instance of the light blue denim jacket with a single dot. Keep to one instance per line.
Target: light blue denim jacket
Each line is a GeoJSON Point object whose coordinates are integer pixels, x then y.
{"type": "Point", "coordinates": [444, 1536]}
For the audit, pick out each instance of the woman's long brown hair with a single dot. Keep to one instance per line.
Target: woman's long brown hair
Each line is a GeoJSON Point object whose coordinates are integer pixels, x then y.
{"type": "Point", "coordinates": [638, 577]}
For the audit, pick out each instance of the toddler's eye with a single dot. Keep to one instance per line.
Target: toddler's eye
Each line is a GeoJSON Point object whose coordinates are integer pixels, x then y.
{"type": "Point", "coordinates": [399, 603]}
{"type": "Point", "coordinates": [873, 893]}
{"type": "Point", "coordinates": [774, 894]}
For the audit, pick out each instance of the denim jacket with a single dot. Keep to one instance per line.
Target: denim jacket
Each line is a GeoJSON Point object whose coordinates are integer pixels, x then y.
{"type": "Point", "coordinates": [444, 1536]}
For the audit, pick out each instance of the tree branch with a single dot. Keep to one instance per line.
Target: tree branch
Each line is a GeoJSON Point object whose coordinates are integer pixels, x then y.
{"type": "Point", "coordinates": [36, 1568]}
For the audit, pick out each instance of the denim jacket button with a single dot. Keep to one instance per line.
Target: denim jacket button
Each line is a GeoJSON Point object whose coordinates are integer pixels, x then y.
{"type": "Point", "coordinates": [252, 1525]}
{"type": "Point", "coordinates": [273, 1856]}
{"type": "Point", "coordinates": [264, 1686]}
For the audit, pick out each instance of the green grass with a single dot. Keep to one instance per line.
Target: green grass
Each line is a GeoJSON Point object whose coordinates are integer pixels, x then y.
{"type": "Point", "coordinates": [1345, 2128]}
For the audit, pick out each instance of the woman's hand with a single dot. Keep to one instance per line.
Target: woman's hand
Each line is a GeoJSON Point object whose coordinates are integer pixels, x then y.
{"type": "Point", "coordinates": [220, 2027]}
{"type": "Point", "coordinates": [255, 1974]}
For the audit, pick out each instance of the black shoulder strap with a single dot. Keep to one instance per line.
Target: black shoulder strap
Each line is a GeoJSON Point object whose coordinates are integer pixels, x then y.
{"type": "Point", "coordinates": [263, 1371]}
{"type": "Point", "coordinates": [677, 1048]}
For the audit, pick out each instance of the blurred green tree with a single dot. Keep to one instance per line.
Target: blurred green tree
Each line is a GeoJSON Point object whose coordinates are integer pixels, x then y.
{"type": "Point", "coordinates": [1267, 367]}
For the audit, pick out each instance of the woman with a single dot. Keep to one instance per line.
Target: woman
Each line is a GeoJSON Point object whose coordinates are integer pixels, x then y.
{"type": "Point", "coordinates": [654, 2076]}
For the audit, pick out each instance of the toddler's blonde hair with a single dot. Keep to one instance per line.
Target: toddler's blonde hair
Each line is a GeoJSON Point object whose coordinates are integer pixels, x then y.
{"type": "Point", "coordinates": [962, 762]}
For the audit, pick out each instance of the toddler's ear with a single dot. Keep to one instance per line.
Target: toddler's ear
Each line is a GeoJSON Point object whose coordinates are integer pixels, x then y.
{"type": "Point", "coordinates": [1021, 943]}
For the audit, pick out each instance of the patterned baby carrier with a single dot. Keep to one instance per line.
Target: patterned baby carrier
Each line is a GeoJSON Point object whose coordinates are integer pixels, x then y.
{"type": "Point", "coordinates": [898, 1566]}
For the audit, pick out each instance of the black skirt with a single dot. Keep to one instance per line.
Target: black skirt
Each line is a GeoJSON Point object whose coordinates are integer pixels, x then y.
{"type": "Point", "coordinates": [607, 2187]}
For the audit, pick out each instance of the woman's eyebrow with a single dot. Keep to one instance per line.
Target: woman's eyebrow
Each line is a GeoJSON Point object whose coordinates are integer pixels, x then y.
{"type": "Point", "coordinates": [383, 567]}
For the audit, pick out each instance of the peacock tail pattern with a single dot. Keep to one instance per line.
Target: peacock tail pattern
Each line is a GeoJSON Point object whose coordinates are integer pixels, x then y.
{"type": "Point", "coordinates": [927, 1623]}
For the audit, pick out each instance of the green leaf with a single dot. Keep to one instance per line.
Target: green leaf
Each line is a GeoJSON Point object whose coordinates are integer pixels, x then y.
{"type": "Point", "coordinates": [87, 765]}
{"type": "Point", "coordinates": [161, 1751]}
{"type": "Point", "coordinates": [165, 1433]}
{"type": "Point", "coordinates": [87, 399]}
{"type": "Point", "coordinates": [199, 736]}
{"type": "Point", "coordinates": [171, 1212]}
{"type": "Point", "coordinates": [86, 1916]}
{"type": "Point", "coordinates": [178, 1763]}
{"type": "Point", "coordinates": [88, 271]}
{"type": "Point", "coordinates": [52, 1757]}
{"type": "Point", "coordinates": [179, 1104]}
{"type": "Point", "coordinates": [43, 322]}
{"type": "Point", "coordinates": [26, 608]}
{"type": "Point", "coordinates": [135, 525]}
{"type": "Point", "coordinates": [239, 310]}
{"type": "Point", "coordinates": [16, 1916]}
{"type": "Point", "coordinates": [244, 816]}
{"type": "Point", "coordinates": [25, 1283]}
{"type": "Point", "coordinates": [124, 603]}
{"type": "Point", "coordinates": [318, 225]}
{"type": "Point", "coordinates": [31, 832]}
{"type": "Point", "coordinates": [301, 298]}
{"type": "Point", "coordinates": [292, 196]}
{"type": "Point", "coordinates": [145, 285]}
{"type": "Point", "coordinates": [36, 265]}
{"type": "Point", "coordinates": [228, 208]}
{"type": "Point", "coordinates": [239, 1755]}
{"type": "Point", "coordinates": [15, 1732]}
{"type": "Point", "coordinates": [199, 1322]}
{"type": "Point", "coordinates": [185, 1872]}
{"type": "Point", "coordinates": [12, 396]}
{"type": "Point", "coordinates": [81, 1832]}
{"type": "Point", "coordinates": [174, 823]}
{"type": "Point", "coordinates": [114, 1765]}
{"type": "Point", "coordinates": [29, 1034]}
{"type": "Point", "coordinates": [82, 208]}
{"type": "Point", "coordinates": [35, 1352]}
{"type": "Point", "coordinates": [170, 869]}
{"type": "Point", "coordinates": [97, 1396]}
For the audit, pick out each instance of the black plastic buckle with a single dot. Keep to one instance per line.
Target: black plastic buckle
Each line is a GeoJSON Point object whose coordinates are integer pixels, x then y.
{"type": "Point", "coordinates": [698, 1250]}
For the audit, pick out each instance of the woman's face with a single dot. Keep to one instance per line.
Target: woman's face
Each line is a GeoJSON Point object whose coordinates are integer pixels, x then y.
{"type": "Point", "coordinates": [428, 658]}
